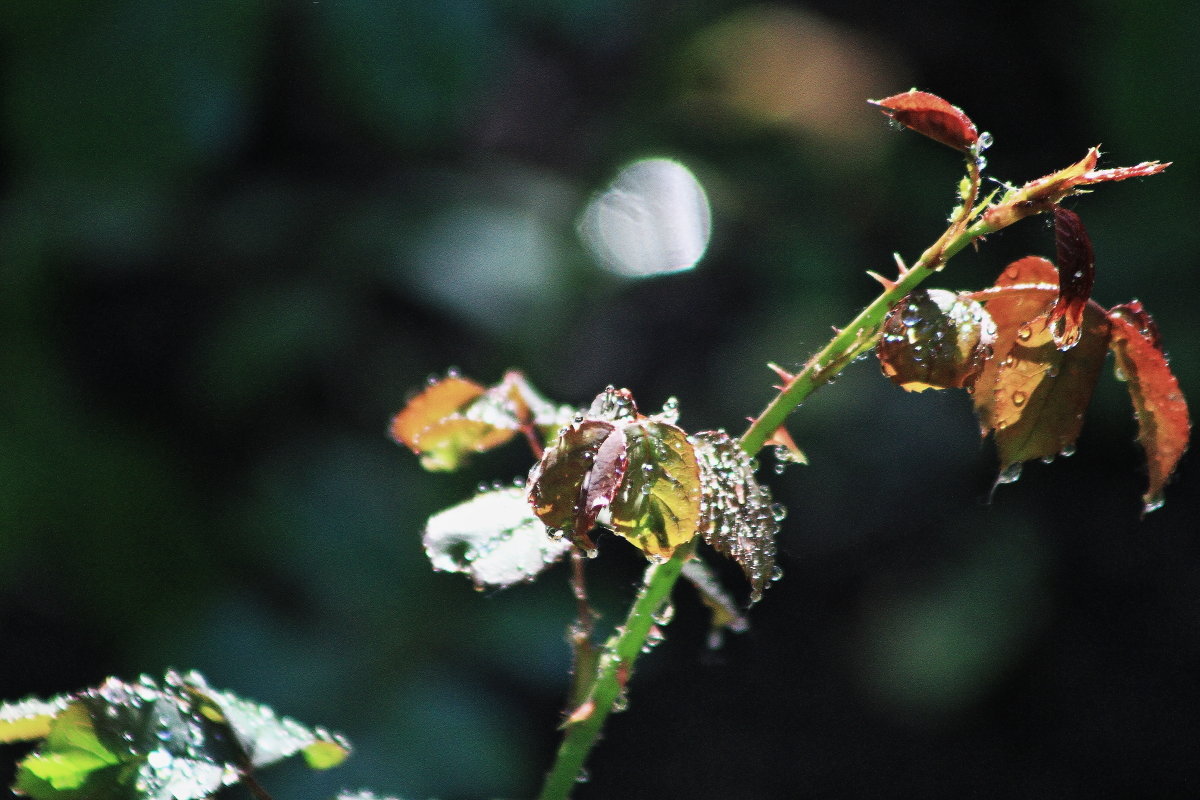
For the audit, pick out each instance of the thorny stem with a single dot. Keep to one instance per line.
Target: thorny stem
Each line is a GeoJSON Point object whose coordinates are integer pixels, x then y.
{"type": "Point", "coordinates": [584, 723]}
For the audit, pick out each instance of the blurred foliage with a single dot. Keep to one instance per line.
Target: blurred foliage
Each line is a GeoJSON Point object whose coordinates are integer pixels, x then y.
{"type": "Point", "coordinates": [235, 235]}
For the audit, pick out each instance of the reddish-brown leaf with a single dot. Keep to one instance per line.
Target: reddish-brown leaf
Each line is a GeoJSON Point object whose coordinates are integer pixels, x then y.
{"type": "Point", "coordinates": [1045, 193]}
{"type": "Point", "coordinates": [1024, 290]}
{"type": "Point", "coordinates": [440, 425]}
{"type": "Point", "coordinates": [931, 115]}
{"type": "Point", "coordinates": [1162, 414]}
{"type": "Point", "coordinates": [558, 483]}
{"type": "Point", "coordinates": [1077, 273]}
{"type": "Point", "coordinates": [1041, 392]}
{"type": "Point", "coordinates": [934, 339]}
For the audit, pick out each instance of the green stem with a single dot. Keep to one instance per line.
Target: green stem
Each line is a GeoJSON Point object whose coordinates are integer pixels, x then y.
{"type": "Point", "coordinates": [584, 724]}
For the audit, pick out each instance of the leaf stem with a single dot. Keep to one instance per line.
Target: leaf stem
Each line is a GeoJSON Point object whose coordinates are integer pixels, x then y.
{"type": "Point", "coordinates": [584, 723]}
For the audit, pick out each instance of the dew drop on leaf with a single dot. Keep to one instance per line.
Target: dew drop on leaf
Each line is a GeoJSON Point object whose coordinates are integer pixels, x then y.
{"type": "Point", "coordinates": [1010, 474]}
{"type": "Point", "coordinates": [1019, 398]}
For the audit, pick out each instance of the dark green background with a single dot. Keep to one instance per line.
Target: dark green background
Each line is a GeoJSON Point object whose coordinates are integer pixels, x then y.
{"type": "Point", "coordinates": [234, 234]}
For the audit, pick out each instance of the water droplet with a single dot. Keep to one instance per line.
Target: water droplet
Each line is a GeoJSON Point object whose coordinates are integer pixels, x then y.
{"type": "Point", "coordinates": [665, 614]}
{"type": "Point", "coordinates": [1010, 474]}
{"type": "Point", "coordinates": [620, 702]}
{"type": "Point", "coordinates": [1153, 504]}
{"type": "Point", "coordinates": [1048, 459]}
{"type": "Point", "coordinates": [1024, 332]}
{"type": "Point", "coordinates": [779, 512]}
{"type": "Point", "coordinates": [1067, 450]}
{"type": "Point", "coordinates": [1119, 374]}
{"type": "Point", "coordinates": [780, 469]}
{"type": "Point", "coordinates": [777, 574]}
{"type": "Point", "coordinates": [1019, 398]}
{"type": "Point", "coordinates": [984, 141]}
{"type": "Point", "coordinates": [591, 552]}
{"type": "Point", "coordinates": [583, 776]}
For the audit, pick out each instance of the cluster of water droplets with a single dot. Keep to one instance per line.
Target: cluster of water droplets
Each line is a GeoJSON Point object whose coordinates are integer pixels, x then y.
{"type": "Point", "coordinates": [738, 517]}
{"type": "Point", "coordinates": [935, 339]}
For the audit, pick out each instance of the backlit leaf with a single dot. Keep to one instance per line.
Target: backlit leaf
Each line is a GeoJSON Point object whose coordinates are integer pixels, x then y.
{"type": "Point", "coordinates": [1162, 414]}
{"type": "Point", "coordinates": [931, 115]}
{"type": "Point", "coordinates": [454, 417]}
{"type": "Point", "coordinates": [739, 519]}
{"type": "Point", "coordinates": [658, 504]}
{"type": "Point", "coordinates": [1011, 307]}
{"type": "Point", "coordinates": [1041, 392]}
{"type": "Point", "coordinates": [494, 538]}
{"type": "Point", "coordinates": [633, 474]}
{"type": "Point", "coordinates": [1077, 273]}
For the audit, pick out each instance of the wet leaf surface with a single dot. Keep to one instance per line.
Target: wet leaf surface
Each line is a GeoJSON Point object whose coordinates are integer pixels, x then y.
{"type": "Point", "coordinates": [658, 504]}
{"type": "Point", "coordinates": [1164, 426]}
{"type": "Point", "coordinates": [494, 538]}
{"type": "Point", "coordinates": [178, 740]}
{"type": "Point", "coordinates": [740, 520]}
{"type": "Point", "coordinates": [1041, 392]}
{"type": "Point", "coordinates": [934, 339]}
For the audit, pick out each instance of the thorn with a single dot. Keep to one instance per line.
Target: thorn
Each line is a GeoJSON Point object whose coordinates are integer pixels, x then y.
{"type": "Point", "coordinates": [781, 438]}
{"type": "Point", "coordinates": [580, 714]}
{"type": "Point", "coordinates": [836, 330]}
{"type": "Point", "coordinates": [888, 285]}
{"type": "Point", "coordinates": [900, 265]}
{"type": "Point", "coordinates": [783, 374]}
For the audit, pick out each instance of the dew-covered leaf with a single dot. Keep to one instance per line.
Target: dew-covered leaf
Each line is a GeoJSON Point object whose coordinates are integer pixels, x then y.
{"type": "Point", "coordinates": [657, 506]}
{"type": "Point", "coordinates": [558, 482]}
{"type": "Point", "coordinates": [1164, 425]}
{"type": "Point", "coordinates": [1077, 273]}
{"type": "Point", "coordinates": [174, 741]}
{"type": "Point", "coordinates": [932, 116]}
{"type": "Point", "coordinates": [494, 538]}
{"type": "Point", "coordinates": [934, 339]}
{"type": "Point", "coordinates": [1041, 392]}
{"type": "Point", "coordinates": [1023, 291]}
{"type": "Point", "coordinates": [738, 517]}
{"type": "Point", "coordinates": [29, 719]}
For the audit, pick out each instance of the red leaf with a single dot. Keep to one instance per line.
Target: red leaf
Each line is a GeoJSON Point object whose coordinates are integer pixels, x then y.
{"type": "Point", "coordinates": [558, 483]}
{"type": "Point", "coordinates": [1162, 414]}
{"type": "Point", "coordinates": [1041, 391]}
{"type": "Point", "coordinates": [1010, 307]}
{"type": "Point", "coordinates": [931, 115]}
{"type": "Point", "coordinates": [1077, 273]}
{"type": "Point", "coordinates": [934, 339]}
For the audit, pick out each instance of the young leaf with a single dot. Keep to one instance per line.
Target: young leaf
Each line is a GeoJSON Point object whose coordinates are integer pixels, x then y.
{"type": "Point", "coordinates": [1077, 273]}
{"type": "Point", "coordinates": [657, 506]}
{"type": "Point", "coordinates": [934, 339]}
{"type": "Point", "coordinates": [1041, 392]}
{"type": "Point", "coordinates": [1045, 193]}
{"type": "Point", "coordinates": [1163, 423]}
{"type": "Point", "coordinates": [1024, 290]}
{"type": "Point", "coordinates": [494, 538]}
{"type": "Point", "coordinates": [636, 475]}
{"type": "Point", "coordinates": [931, 115]}
{"type": "Point", "coordinates": [739, 519]}
{"type": "Point", "coordinates": [558, 482]}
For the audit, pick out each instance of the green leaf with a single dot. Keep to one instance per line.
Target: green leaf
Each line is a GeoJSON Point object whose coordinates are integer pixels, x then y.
{"type": "Point", "coordinates": [740, 520]}
{"type": "Point", "coordinates": [29, 719]}
{"type": "Point", "coordinates": [177, 741]}
{"type": "Point", "coordinates": [495, 538]}
{"type": "Point", "coordinates": [658, 504]}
